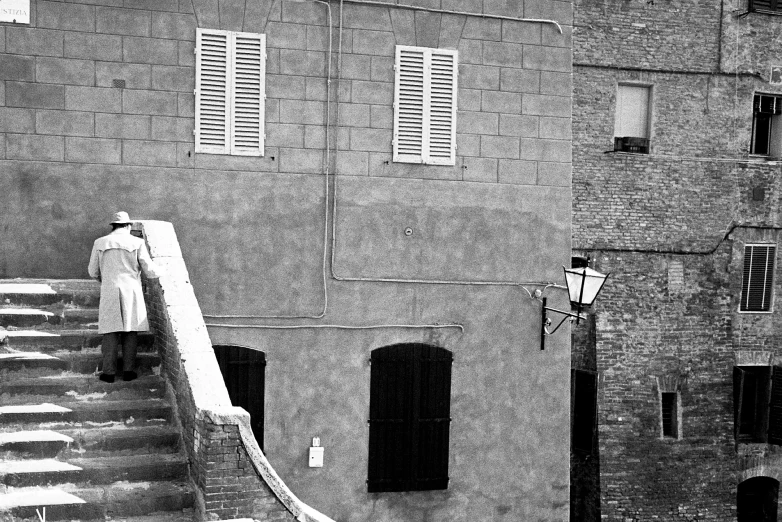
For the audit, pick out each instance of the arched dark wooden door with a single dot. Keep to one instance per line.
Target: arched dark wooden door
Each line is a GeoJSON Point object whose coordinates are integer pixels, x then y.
{"type": "Point", "coordinates": [757, 500]}
{"type": "Point", "coordinates": [244, 373]}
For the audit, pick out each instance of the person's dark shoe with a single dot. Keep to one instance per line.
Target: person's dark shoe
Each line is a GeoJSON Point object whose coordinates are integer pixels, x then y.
{"type": "Point", "coordinates": [106, 377]}
{"type": "Point", "coordinates": [129, 376]}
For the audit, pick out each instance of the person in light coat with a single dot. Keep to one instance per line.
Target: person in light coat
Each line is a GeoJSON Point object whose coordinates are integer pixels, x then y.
{"type": "Point", "coordinates": [117, 262]}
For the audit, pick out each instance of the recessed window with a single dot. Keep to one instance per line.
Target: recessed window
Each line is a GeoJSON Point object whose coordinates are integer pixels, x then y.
{"type": "Point", "coordinates": [765, 5]}
{"type": "Point", "coordinates": [425, 105]}
{"type": "Point", "coordinates": [669, 407]}
{"type": "Point", "coordinates": [757, 400]}
{"type": "Point", "coordinates": [230, 92]}
{"type": "Point", "coordinates": [766, 125]}
{"type": "Point", "coordinates": [584, 416]}
{"type": "Point", "coordinates": [758, 278]}
{"type": "Point", "coordinates": [409, 418]}
{"type": "Point", "coordinates": [632, 120]}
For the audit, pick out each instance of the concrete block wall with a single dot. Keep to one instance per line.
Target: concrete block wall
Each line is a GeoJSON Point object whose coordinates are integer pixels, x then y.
{"type": "Point", "coordinates": [59, 84]}
{"type": "Point", "coordinates": [252, 229]}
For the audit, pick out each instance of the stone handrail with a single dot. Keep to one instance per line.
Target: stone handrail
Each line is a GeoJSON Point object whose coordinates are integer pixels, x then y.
{"type": "Point", "coordinates": [217, 436]}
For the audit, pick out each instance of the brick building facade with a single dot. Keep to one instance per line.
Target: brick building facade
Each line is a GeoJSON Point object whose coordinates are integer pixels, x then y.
{"type": "Point", "coordinates": [322, 241]}
{"type": "Point", "coordinates": [676, 194]}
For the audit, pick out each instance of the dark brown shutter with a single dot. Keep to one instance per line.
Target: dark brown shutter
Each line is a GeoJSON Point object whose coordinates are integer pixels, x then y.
{"type": "Point", "coordinates": [738, 391]}
{"type": "Point", "coordinates": [244, 373]}
{"type": "Point", "coordinates": [757, 278]}
{"type": "Point", "coordinates": [775, 407]}
{"type": "Point", "coordinates": [390, 396]}
{"type": "Point", "coordinates": [584, 410]}
{"type": "Point", "coordinates": [766, 5]}
{"type": "Point", "coordinates": [409, 408]}
{"type": "Point", "coordinates": [433, 418]}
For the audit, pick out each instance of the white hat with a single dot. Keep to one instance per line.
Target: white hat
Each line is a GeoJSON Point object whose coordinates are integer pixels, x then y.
{"type": "Point", "coordinates": [120, 218]}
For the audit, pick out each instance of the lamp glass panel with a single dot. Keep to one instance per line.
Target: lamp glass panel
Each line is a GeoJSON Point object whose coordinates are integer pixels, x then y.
{"type": "Point", "coordinates": [592, 283]}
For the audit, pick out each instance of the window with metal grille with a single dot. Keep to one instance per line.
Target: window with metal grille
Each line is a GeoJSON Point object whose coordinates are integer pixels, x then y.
{"type": "Point", "coordinates": [765, 5]}
{"type": "Point", "coordinates": [757, 278]}
{"type": "Point", "coordinates": [583, 387]}
{"type": "Point", "coordinates": [409, 418]}
{"type": "Point", "coordinates": [631, 119]}
{"type": "Point", "coordinates": [425, 105]}
{"type": "Point", "coordinates": [230, 92]}
{"type": "Point", "coordinates": [669, 405]}
{"type": "Point", "coordinates": [766, 125]}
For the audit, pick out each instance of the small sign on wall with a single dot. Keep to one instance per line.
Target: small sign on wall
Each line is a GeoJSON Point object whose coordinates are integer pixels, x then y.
{"type": "Point", "coordinates": [776, 75]}
{"type": "Point", "coordinates": [15, 11]}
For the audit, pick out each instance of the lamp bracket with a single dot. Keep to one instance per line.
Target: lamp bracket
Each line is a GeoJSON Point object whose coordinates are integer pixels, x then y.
{"type": "Point", "coordinates": [546, 321]}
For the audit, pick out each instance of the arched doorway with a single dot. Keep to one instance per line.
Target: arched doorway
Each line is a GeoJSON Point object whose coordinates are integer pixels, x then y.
{"type": "Point", "coordinates": [757, 500]}
{"type": "Point", "coordinates": [244, 373]}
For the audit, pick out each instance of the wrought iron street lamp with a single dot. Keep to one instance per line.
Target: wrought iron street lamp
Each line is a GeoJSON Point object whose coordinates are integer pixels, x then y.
{"type": "Point", "coordinates": [583, 285]}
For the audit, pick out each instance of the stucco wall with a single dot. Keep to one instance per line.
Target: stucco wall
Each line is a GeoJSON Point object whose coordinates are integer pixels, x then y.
{"type": "Point", "coordinates": [74, 148]}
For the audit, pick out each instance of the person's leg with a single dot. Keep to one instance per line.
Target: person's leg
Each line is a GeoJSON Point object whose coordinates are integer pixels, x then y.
{"type": "Point", "coordinates": [129, 348]}
{"type": "Point", "coordinates": [109, 348]}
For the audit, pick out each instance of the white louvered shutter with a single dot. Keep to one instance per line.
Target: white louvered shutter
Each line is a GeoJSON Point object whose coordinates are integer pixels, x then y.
{"type": "Point", "coordinates": [247, 93]}
{"type": "Point", "coordinates": [442, 108]}
{"type": "Point", "coordinates": [230, 92]}
{"type": "Point", "coordinates": [425, 106]}
{"type": "Point", "coordinates": [212, 91]}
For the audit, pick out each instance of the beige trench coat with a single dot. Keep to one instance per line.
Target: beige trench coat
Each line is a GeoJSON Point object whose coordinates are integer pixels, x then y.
{"type": "Point", "coordinates": [117, 261]}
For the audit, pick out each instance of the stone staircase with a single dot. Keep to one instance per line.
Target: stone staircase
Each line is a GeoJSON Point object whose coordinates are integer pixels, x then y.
{"type": "Point", "coordinates": [78, 447]}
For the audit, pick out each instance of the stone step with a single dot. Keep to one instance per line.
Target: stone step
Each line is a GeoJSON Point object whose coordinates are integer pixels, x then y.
{"type": "Point", "coordinates": [40, 292]}
{"type": "Point", "coordinates": [36, 444]}
{"type": "Point", "coordinates": [134, 412]}
{"type": "Point", "coordinates": [19, 361]}
{"type": "Point", "coordinates": [38, 472]}
{"type": "Point", "coordinates": [21, 365]}
{"type": "Point", "coordinates": [101, 470]}
{"type": "Point", "coordinates": [27, 317]}
{"type": "Point", "coordinates": [121, 499]}
{"type": "Point", "coordinates": [119, 440]}
{"type": "Point", "coordinates": [24, 502]}
{"type": "Point", "coordinates": [48, 341]}
{"type": "Point", "coordinates": [68, 387]}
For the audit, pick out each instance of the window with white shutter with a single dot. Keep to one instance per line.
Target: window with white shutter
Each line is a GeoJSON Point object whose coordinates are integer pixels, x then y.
{"type": "Point", "coordinates": [230, 92]}
{"type": "Point", "coordinates": [757, 278]}
{"type": "Point", "coordinates": [425, 105]}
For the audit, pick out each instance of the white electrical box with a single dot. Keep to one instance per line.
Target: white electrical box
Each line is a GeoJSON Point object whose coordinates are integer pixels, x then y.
{"type": "Point", "coordinates": [316, 457]}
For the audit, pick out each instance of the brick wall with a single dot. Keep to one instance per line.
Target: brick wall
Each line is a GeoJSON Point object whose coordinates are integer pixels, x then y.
{"type": "Point", "coordinates": [648, 34]}
{"type": "Point", "coordinates": [670, 226]}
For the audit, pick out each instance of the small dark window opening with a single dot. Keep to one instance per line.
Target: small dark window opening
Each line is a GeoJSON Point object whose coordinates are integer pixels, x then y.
{"type": "Point", "coordinates": [409, 418]}
{"type": "Point", "coordinates": [765, 125]}
{"type": "Point", "coordinates": [757, 500]}
{"type": "Point", "coordinates": [584, 416]}
{"type": "Point", "coordinates": [757, 278]}
{"type": "Point", "coordinates": [670, 414]}
{"type": "Point", "coordinates": [244, 373]}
